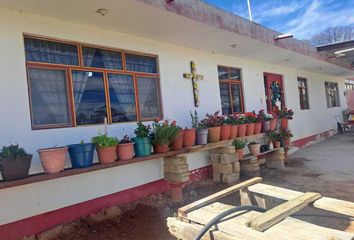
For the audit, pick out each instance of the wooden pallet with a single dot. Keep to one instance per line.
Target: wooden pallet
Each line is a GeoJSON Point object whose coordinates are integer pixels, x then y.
{"type": "Point", "coordinates": [274, 224]}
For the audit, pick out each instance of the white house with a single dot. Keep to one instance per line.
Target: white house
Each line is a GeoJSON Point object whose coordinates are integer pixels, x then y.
{"type": "Point", "coordinates": [139, 50]}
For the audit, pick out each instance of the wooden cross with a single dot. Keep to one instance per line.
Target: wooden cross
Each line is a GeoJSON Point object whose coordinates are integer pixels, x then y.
{"type": "Point", "coordinates": [194, 77]}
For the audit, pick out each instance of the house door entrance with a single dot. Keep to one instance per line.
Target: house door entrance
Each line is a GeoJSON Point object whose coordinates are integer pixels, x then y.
{"type": "Point", "coordinates": [274, 91]}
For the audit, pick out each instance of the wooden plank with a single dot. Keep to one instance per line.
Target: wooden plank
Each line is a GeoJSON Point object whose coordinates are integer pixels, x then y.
{"type": "Point", "coordinates": [324, 203]}
{"type": "Point", "coordinates": [280, 212]}
{"type": "Point", "coordinates": [288, 229]}
{"type": "Point", "coordinates": [187, 231]}
{"type": "Point", "coordinates": [216, 196]}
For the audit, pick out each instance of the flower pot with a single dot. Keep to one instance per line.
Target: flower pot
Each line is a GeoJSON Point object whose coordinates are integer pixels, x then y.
{"type": "Point", "coordinates": [106, 155]}
{"type": "Point", "coordinates": [53, 159]}
{"type": "Point", "coordinates": [214, 134]}
{"type": "Point", "coordinates": [225, 132]}
{"type": "Point", "coordinates": [273, 124]}
{"type": "Point", "coordinates": [257, 128]}
{"type": "Point", "coordinates": [266, 126]}
{"type": "Point", "coordinates": [81, 155]}
{"type": "Point", "coordinates": [233, 131]}
{"type": "Point", "coordinates": [202, 136]}
{"type": "Point", "coordinates": [284, 123]}
{"type": "Point", "coordinates": [249, 129]}
{"type": "Point", "coordinates": [125, 151]}
{"type": "Point", "coordinates": [276, 144]}
{"type": "Point", "coordinates": [188, 137]}
{"type": "Point", "coordinates": [142, 146]}
{"type": "Point", "coordinates": [255, 149]}
{"type": "Point", "coordinates": [15, 168]}
{"type": "Point", "coordinates": [265, 148]}
{"type": "Point", "coordinates": [241, 132]}
{"type": "Point", "coordinates": [161, 148]}
{"type": "Point", "coordinates": [178, 142]}
{"type": "Point", "coordinates": [239, 154]}
{"type": "Point", "coordinates": [287, 142]}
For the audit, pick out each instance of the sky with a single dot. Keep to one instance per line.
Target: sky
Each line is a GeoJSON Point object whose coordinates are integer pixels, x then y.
{"type": "Point", "coordinates": [302, 18]}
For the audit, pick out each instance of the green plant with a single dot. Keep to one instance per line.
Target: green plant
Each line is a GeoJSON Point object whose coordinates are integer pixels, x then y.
{"type": "Point", "coordinates": [12, 151]}
{"type": "Point", "coordinates": [285, 134]}
{"type": "Point", "coordinates": [142, 130]}
{"type": "Point", "coordinates": [274, 136]}
{"type": "Point", "coordinates": [164, 132]}
{"type": "Point", "coordinates": [103, 141]}
{"type": "Point", "coordinates": [213, 120]}
{"type": "Point", "coordinates": [239, 144]}
{"type": "Point", "coordinates": [126, 139]}
{"type": "Point", "coordinates": [250, 117]}
{"type": "Point", "coordinates": [285, 113]}
{"type": "Point", "coordinates": [195, 121]}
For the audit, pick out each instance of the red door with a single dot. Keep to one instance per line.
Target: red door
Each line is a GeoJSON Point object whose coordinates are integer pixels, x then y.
{"type": "Point", "coordinates": [274, 91]}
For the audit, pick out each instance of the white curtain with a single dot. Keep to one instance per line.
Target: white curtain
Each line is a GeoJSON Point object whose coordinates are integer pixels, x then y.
{"type": "Point", "coordinates": [139, 63]}
{"type": "Point", "coordinates": [148, 99]}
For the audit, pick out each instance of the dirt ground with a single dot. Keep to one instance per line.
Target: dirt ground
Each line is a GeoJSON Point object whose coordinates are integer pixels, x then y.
{"type": "Point", "coordinates": [326, 167]}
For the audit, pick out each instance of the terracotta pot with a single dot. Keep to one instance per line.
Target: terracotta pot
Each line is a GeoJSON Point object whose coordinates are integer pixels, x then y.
{"type": "Point", "coordinates": [125, 151]}
{"type": "Point", "coordinates": [188, 137]}
{"type": "Point", "coordinates": [287, 142]}
{"type": "Point", "coordinates": [266, 126]}
{"type": "Point", "coordinates": [225, 132]}
{"type": "Point", "coordinates": [273, 124]}
{"type": "Point", "coordinates": [284, 123]}
{"type": "Point", "coordinates": [249, 129]}
{"type": "Point", "coordinates": [255, 149]}
{"type": "Point", "coordinates": [53, 159]}
{"type": "Point", "coordinates": [241, 132]}
{"type": "Point", "coordinates": [233, 131]}
{"type": "Point", "coordinates": [239, 154]}
{"type": "Point", "coordinates": [163, 148]}
{"type": "Point", "coordinates": [257, 128]}
{"type": "Point", "coordinates": [106, 155]}
{"type": "Point", "coordinates": [214, 134]}
{"type": "Point", "coordinates": [202, 136]}
{"type": "Point", "coordinates": [178, 142]}
{"type": "Point", "coordinates": [276, 144]}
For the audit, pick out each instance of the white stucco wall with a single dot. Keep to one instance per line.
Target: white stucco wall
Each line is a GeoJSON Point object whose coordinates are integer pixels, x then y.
{"type": "Point", "coordinates": [177, 100]}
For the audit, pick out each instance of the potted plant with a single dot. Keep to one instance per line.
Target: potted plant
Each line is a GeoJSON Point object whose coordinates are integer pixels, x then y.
{"type": "Point", "coordinates": [142, 141]}
{"type": "Point", "coordinates": [81, 155]}
{"type": "Point", "coordinates": [225, 128]}
{"type": "Point", "coordinates": [213, 122]}
{"type": "Point", "coordinates": [285, 115]}
{"type": "Point", "coordinates": [265, 120]}
{"type": "Point", "coordinates": [201, 129]}
{"type": "Point", "coordinates": [273, 122]}
{"type": "Point", "coordinates": [239, 145]}
{"type": "Point", "coordinates": [274, 137]}
{"type": "Point", "coordinates": [177, 144]}
{"type": "Point", "coordinates": [232, 121]}
{"type": "Point", "coordinates": [189, 137]}
{"type": "Point", "coordinates": [250, 120]}
{"type": "Point", "coordinates": [125, 148]}
{"type": "Point", "coordinates": [285, 135]}
{"type": "Point", "coordinates": [106, 148]}
{"type": "Point", "coordinates": [255, 148]}
{"type": "Point", "coordinates": [242, 126]}
{"type": "Point", "coordinates": [163, 133]}
{"type": "Point", "coordinates": [15, 162]}
{"type": "Point", "coordinates": [53, 159]}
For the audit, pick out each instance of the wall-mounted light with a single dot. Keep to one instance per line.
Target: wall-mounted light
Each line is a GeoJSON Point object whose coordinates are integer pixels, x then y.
{"type": "Point", "coordinates": [102, 11]}
{"type": "Point", "coordinates": [283, 36]}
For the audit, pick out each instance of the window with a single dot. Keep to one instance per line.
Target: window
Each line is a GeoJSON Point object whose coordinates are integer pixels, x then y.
{"type": "Point", "coordinates": [349, 86]}
{"type": "Point", "coordinates": [72, 84]}
{"type": "Point", "coordinates": [332, 94]}
{"type": "Point", "coordinates": [303, 93]}
{"type": "Point", "coordinates": [230, 90]}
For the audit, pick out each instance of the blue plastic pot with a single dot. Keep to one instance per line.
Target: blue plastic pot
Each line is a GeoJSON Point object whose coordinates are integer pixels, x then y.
{"type": "Point", "coordinates": [142, 146]}
{"type": "Point", "coordinates": [81, 155]}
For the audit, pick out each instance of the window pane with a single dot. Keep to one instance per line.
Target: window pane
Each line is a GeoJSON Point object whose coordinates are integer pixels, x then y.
{"type": "Point", "coordinates": [332, 94]}
{"type": "Point", "coordinates": [50, 52]}
{"type": "Point", "coordinates": [236, 97]}
{"type": "Point", "coordinates": [49, 100]}
{"type": "Point", "coordinates": [148, 97]}
{"type": "Point", "coordinates": [138, 63]}
{"type": "Point", "coordinates": [99, 58]}
{"type": "Point", "coordinates": [122, 97]}
{"type": "Point", "coordinates": [223, 73]}
{"type": "Point", "coordinates": [89, 97]}
{"type": "Point", "coordinates": [235, 74]}
{"type": "Point", "coordinates": [225, 98]}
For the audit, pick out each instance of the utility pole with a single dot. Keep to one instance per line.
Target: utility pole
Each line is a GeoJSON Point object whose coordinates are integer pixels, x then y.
{"type": "Point", "coordinates": [249, 10]}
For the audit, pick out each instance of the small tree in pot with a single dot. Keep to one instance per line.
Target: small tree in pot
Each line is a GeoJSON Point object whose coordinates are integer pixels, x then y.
{"type": "Point", "coordinates": [163, 133]}
{"type": "Point", "coordinates": [239, 145]}
{"type": "Point", "coordinates": [255, 148]}
{"type": "Point", "coordinates": [201, 129]}
{"type": "Point", "coordinates": [125, 148]}
{"type": "Point", "coordinates": [142, 141]}
{"type": "Point", "coordinates": [274, 138]}
{"type": "Point", "coordinates": [106, 148]}
{"type": "Point", "coordinates": [14, 162]}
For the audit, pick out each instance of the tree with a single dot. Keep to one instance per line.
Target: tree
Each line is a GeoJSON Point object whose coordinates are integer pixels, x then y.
{"type": "Point", "coordinates": [333, 35]}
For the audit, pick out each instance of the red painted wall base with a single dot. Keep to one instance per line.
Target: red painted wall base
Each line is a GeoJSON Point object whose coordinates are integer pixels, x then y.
{"type": "Point", "coordinates": [311, 139]}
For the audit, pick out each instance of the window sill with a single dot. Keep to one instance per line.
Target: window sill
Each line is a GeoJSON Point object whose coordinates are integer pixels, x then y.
{"type": "Point", "coordinates": [95, 167]}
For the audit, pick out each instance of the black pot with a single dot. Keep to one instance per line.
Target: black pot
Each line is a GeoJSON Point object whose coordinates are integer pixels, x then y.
{"type": "Point", "coordinates": [15, 168]}
{"type": "Point", "coordinates": [265, 148]}
{"type": "Point", "coordinates": [282, 143]}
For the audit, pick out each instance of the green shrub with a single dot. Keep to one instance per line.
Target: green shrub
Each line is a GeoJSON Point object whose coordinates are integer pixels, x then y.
{"type": "Point", "coordinates": [239, 144]}
{"type": "Point", "coordinates": [12, 151]}
{"type": "Point", "coordinates": [142, 130]}
{"type": "Point", "coordinates": [104, 141]}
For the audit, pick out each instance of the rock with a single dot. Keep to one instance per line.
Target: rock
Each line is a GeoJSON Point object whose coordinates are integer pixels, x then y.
{"type": "Point", "coordinates": [93, 219]}
{"type": "Point", "coordinates": [51, 233]}
{"type": "Point", "coordinates": [113, 212]}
